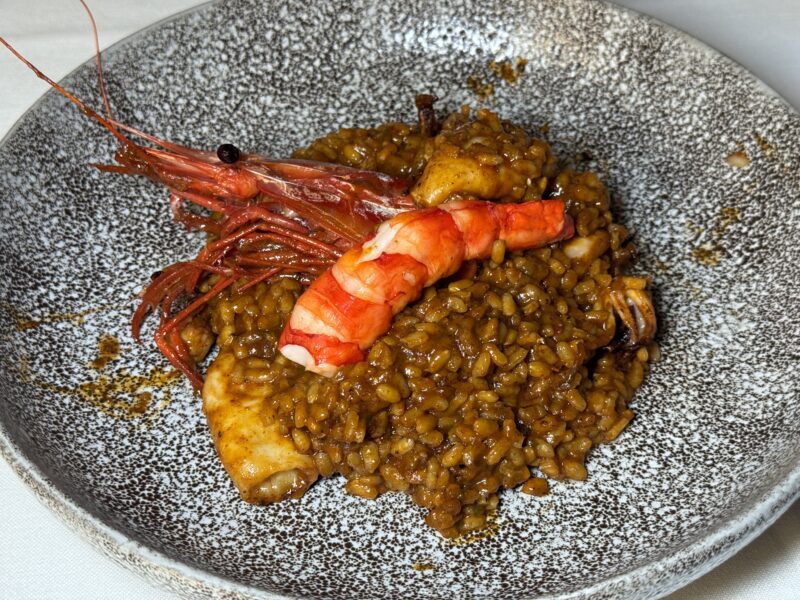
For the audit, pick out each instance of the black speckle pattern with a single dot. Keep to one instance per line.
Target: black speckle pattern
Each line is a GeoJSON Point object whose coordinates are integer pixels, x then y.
{"type": "Point", "coordinates": [712, 456]}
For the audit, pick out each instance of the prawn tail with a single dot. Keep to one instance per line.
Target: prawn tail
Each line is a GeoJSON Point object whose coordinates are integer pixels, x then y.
{"type": "Point", "coordinates": [532, 224]}
{"type": "Point", "coordinates": [352, 304]}
{"type": "Point", "coordinates": [320, 353]}
{"type": "Point", "coordinates": [348, 326]}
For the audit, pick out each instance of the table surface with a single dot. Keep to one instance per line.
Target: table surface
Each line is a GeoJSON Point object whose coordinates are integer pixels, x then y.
{"type": "Point", "coordinates": [40, 558]}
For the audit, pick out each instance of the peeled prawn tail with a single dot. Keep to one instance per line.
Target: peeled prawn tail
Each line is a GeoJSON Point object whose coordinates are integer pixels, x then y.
{"type": "Point", "coordinates": [344, 311]}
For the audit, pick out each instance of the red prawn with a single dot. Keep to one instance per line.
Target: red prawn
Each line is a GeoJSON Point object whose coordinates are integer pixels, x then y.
{"type": "Point", "coordinates": [265, 217]}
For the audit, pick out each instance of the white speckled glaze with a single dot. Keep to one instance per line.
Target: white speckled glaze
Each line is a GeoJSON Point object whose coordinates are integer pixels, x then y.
{"type": "Point", "coordinates": [710, 460]}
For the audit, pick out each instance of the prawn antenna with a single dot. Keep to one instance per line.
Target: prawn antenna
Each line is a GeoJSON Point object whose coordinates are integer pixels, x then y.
{"type": "Point", "coordinates": [99, 62]}
{"type": "Point", "coordinates": [68, 95]}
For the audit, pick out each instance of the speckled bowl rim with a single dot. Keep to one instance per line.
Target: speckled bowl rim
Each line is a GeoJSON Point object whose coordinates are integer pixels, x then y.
{"type": "Point", "coordinates": [684, 566]}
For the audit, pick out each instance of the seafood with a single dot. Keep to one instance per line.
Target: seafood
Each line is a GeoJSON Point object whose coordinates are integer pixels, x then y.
{"type": "Point", "coordinates": [626, 299]}
{"type": "Point", "coordinates": [264, 465]}
{"type": "Point", "coordinates": [265, 217]}
{"type": "Point", "coordinates": [633, 307]}
{"type": "Point", "coordinates": [344, 311]}
{"type": "Point", "coordinates": [523, 362]}
{"type": "Point", "coordinates": [271, 217]}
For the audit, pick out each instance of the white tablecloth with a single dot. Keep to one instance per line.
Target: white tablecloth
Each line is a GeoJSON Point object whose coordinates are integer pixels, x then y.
{"type": "Point", "coordinates": [41, 559]}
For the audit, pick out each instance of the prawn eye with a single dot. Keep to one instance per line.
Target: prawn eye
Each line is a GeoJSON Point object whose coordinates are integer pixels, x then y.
{"type": "Point", "coordinates": [228, 153]}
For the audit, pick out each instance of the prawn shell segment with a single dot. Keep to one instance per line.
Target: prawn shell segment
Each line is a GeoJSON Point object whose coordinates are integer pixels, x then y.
{"type": "Point", "coordinates": [533, 224]}
{"type": "Point", "coordinates": [325, 308]}
{"type": "Point", "coordinates": [429, 236]}
{"type": "Point", "coordinates": [477, 223]}
{"type": "Point", "coordinates": [395, 279]}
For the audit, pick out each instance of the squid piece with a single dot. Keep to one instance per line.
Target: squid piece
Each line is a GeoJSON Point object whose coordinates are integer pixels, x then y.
{"type": "Point", "coordinates": [264, 465]}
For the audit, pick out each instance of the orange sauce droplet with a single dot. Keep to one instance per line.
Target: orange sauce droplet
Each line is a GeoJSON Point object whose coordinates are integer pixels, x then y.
{"type": "Point", "coordinates": [24, 321]}
{"type": "Point", "coordinates": [107, 352]}
{"type": "Point", "coordinates": [119, 394]}
{"type": "Point", "coordinates": [738, 160]}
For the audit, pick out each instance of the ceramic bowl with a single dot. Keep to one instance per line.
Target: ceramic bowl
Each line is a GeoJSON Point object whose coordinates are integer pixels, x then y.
{"type": "Point", "coordinates": [702, 161]}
